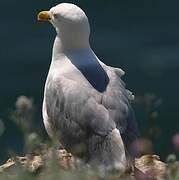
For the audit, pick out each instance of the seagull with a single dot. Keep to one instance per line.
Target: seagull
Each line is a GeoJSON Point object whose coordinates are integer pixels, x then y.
{"type": "Point", "coordinates": [86, 106]}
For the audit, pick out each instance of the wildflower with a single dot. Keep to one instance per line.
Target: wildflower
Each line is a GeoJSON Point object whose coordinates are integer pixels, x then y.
{"type": "Point", "coordinates": [23, 104]}
{"type": "Point", "coordinates": [175, 141]}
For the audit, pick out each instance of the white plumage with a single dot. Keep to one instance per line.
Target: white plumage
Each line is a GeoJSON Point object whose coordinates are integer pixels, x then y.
{"type": "Point", "coordinates": [86, 106]}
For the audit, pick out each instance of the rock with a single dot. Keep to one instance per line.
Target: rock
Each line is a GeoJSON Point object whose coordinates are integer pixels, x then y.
{"type": "Point", "coordinates": [148, 166]}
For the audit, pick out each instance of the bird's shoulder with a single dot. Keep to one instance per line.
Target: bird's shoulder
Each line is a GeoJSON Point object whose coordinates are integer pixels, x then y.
{"type": "Point", "coordinates": [115, 75]}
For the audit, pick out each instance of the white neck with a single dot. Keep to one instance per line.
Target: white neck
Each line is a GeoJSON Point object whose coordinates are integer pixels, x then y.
{"type": "Point", "coordinates": [62, 46]}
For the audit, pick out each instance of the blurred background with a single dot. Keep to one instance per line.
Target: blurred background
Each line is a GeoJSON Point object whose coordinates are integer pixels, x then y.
{"type": "Point", "coordinates": [141, 37]}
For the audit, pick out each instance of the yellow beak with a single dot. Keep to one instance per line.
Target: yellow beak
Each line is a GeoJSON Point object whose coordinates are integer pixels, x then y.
{"type": "Point", "coordinates": [43, 16]}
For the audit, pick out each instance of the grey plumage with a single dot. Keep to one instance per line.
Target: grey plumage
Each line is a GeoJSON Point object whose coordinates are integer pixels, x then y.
{"type": "Point", "coordinates": [86, 106]}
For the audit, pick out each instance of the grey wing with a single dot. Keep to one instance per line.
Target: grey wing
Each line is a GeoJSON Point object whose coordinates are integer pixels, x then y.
{"type": "Point", "coordinates": [77, 108]}
{"type": "Point", "coordinates": [62, 111]}
{"type": "Point", "coordinates": [117, 100]}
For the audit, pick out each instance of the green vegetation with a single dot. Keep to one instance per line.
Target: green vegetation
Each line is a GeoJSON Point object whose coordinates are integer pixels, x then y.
{"type": "Point", "coordinates": [43, 160]}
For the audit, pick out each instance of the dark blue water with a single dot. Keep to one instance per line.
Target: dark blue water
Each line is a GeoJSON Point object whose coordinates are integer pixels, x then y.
{"type": "Point", "coordinates": [142, 37]}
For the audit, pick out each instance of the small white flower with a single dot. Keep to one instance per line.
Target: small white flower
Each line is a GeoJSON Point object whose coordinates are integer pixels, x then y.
{"type": "Point", "coordinates": [23, 103]}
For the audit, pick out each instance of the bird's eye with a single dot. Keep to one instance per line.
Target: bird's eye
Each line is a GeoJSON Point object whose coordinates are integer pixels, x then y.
{"type": "Point", "coordinates": [55, 15]}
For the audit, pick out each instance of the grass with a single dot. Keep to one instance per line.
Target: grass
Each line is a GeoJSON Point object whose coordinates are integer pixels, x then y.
{"type": "Point", "coordinates": [42, 162]}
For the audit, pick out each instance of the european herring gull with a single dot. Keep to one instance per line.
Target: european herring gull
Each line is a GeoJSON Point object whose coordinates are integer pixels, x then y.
{"type": "Point", "coordinates": [86, 106]}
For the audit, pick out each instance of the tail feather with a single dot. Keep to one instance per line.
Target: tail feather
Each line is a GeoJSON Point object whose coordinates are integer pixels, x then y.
{"type": "Point", "coordinates": [108, 150]}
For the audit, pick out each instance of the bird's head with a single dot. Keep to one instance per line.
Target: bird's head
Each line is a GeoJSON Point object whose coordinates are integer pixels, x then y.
{"type": "Point", "coordinates": [70, 22]}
